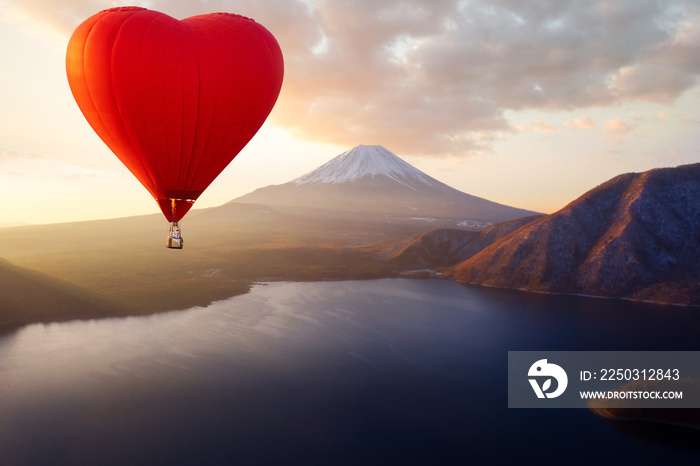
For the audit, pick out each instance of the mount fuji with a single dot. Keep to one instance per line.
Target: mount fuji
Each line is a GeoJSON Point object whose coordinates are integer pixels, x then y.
{"type": "Point", "coordinates": [371, 182]}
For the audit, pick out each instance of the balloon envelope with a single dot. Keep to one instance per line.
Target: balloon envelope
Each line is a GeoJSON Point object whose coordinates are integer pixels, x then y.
{"type": "Point", "coordinates": [175, 100]}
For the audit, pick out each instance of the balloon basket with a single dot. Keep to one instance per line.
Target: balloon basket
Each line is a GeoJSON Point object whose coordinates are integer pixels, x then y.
{"type": "Point", "coordinates": [174, 240]}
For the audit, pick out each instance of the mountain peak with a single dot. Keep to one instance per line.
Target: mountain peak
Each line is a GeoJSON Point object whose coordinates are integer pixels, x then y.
{"type": "Point", "coordinates": [367, 181]}
{"type": "Point", "coordinates": [366, 161]}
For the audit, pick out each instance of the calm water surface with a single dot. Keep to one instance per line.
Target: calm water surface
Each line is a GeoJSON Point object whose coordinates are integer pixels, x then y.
{"type": "Point", "coordinates": [391, 371]}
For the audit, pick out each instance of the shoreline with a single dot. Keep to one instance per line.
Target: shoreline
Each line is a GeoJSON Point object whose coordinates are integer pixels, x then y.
{"type": "Point", "coordinates": [582, 295]}
{"type": "Point", "coordinates": [10, 327]}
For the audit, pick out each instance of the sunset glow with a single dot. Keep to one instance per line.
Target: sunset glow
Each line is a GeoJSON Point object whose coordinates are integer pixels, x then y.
{"type": "Point", "coordinates": [524, 104]}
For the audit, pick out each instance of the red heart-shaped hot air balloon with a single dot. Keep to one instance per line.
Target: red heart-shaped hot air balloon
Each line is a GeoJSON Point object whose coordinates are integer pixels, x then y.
{"type": "Point", "coordinates": [174, 100]}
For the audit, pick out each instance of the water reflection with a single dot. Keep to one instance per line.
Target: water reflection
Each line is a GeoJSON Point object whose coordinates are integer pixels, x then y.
{"type": "Point", "coordinates": [374, 372]}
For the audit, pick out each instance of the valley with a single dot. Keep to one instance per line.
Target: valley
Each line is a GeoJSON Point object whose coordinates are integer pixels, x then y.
{"type": "Point", "coordinates": [640, 231]}
{"type": "Point", "coordinates": [330, 224]}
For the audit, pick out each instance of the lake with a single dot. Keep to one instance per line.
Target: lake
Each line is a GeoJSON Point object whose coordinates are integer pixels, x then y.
{"type": "Point", "coordinates": [391, 371]}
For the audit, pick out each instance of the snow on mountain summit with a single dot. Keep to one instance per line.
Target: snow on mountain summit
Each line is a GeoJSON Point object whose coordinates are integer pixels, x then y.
{"type": "Point", "coordinates": [366, 161]}
{"type": "Point", "coordinates": [370, 181]}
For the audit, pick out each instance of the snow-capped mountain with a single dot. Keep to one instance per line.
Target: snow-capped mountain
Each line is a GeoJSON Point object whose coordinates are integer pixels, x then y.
{"type": "Point", "coordinates": [367, 161]}
{"type": "Point", "coordinates": [372, 181]}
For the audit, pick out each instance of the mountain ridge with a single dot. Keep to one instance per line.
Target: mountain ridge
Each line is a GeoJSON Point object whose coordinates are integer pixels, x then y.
{"type": "Point", "coordinates": [634, 236]}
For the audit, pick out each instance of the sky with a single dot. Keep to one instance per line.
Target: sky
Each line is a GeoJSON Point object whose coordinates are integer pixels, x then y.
{"type": "Point", "coordinates": [527, 103]}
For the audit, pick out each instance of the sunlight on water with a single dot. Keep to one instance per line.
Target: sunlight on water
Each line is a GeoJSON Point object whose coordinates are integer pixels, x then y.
{"type": "Point", "coordinates": [308, 367]}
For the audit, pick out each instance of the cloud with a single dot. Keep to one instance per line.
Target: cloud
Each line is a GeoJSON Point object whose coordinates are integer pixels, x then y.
{"type": "Point", "coordinates": [615, 129]}
{"type": "Point", "coordinates": [13, 155]}
{"type": "Point", "coordinates": [616, 126]}
{"type": "Point", "coordinates": [24, 164]}
{"type": "Point", "coordinates": [423, 77]}
{"type": "Point", "coordinates": [584, 123]}
{"type": "Point", "coordinates": [538, 126]}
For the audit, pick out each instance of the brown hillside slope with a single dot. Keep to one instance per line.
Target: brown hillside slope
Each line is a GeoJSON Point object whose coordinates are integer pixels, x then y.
{"type": "Point", "coordinates": [637, 235]}
{"type": "Point", "coordinates": [447, 247]}
{"type": "Point", "coordinates": [28, 296]}
{"type": "Point", "coordinates": [436, 248]}
{"type": "Point", "coordinates": [125, 261]}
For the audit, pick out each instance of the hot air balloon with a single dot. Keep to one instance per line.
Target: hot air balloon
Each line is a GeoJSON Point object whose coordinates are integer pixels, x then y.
{"type": "Point", "coordinates": [175, 100]}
